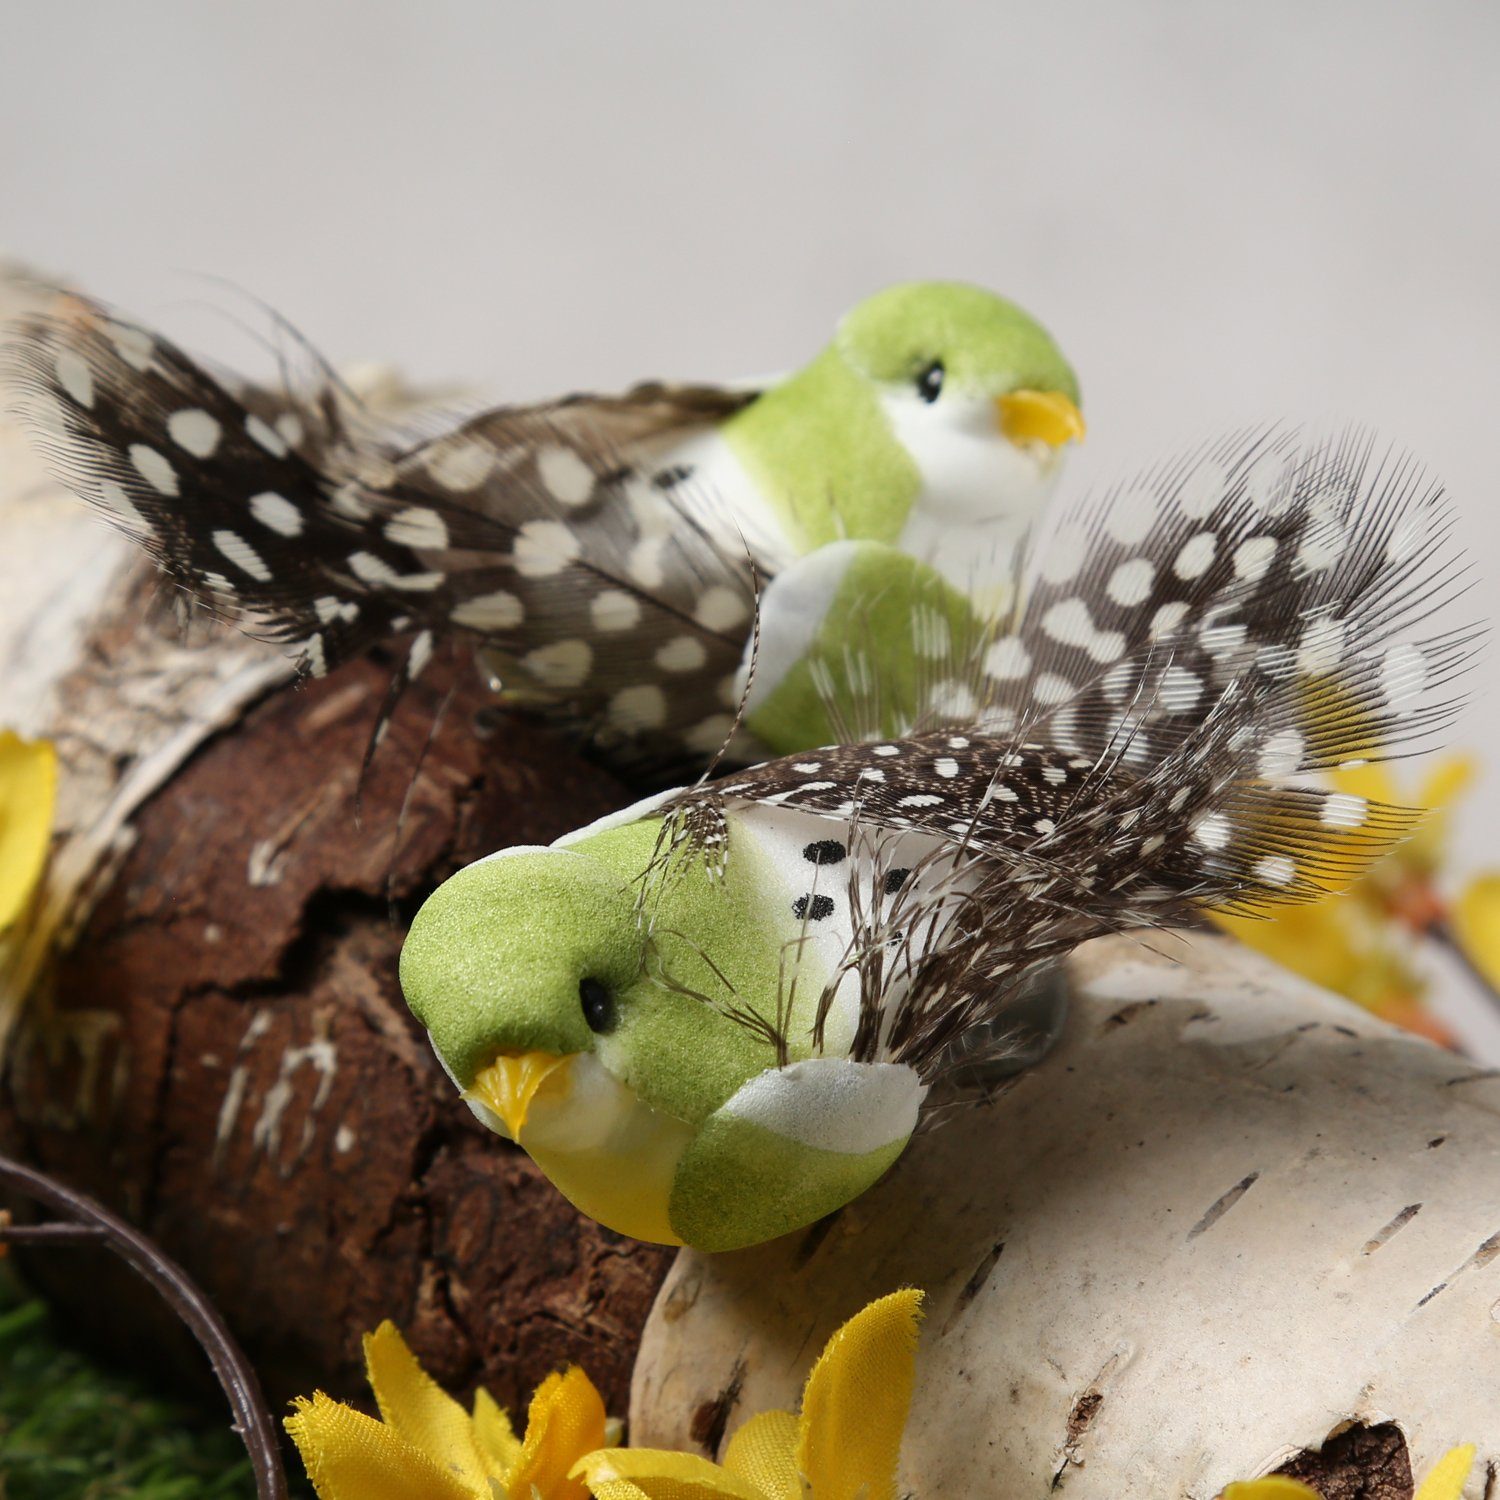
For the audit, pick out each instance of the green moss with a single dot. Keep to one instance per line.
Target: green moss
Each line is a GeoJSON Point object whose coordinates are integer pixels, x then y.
{"type": "Point", "coordinates": [72, 1431]}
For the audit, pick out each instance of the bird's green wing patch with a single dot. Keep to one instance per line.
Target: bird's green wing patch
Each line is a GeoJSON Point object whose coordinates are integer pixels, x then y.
{"type": "Point", "coordinates": [882, 607]}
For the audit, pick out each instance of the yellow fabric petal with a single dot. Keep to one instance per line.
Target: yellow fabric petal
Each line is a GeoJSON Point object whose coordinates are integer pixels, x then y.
{"type": "Point", "coordinates": [654, 1474]}
{"type": "Point", "coordinates": [1273, 1487]}
{"type": "Point", "coordinates": [1448, 779]}
{"type": "Point", "coordinates": [495, 1437]}
{"type": "Point", "coordinates": [566, 1421]}
{"type": "Point", "coordinates": [1373, 782]}
{"type": "Point", "coordinates": [349, 1456]}
{"type": "Point", "coordinates": [856, 1401]}
{"type": "Point", "coordinates": [764, 1454]}
{"type": "Point", "coordinates": [416, 1407]}
{"type": "Point", "coordinates": [28, 791]}
{"type": "Point", "coordinates": [1476, 925]}
{"type": "Point", "coordinates": [1448, 1476]}
{"type": "Point", "coordinates": [1309, 940]}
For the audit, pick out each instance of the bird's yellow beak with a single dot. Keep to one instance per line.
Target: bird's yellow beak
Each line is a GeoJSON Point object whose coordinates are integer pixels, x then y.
{"type": "Point", "coordinates": [510, 1083]}
{"type": "Point", "coordinates": [1044, 416]}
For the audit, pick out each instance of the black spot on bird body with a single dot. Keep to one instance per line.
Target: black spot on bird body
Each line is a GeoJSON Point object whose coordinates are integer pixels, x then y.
{"type": "Point", "coordinates": [825, 852]}
{"type": "Point", "coordinates": [665, 479]}
{"type": "Point", "coordinates": [813, 908]}
{"type": "Point", "coordinates": [895, 879]}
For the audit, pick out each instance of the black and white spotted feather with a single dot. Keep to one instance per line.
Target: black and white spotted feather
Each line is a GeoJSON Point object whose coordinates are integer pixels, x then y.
{"type": "Point", "coordinates": [1138, 743]}
{"type": "Point", "coordinates": [598, 589]}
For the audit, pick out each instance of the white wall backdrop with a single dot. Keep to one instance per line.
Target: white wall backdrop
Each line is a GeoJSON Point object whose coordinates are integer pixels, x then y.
{"type": "Point", "coordinates": [1225, 213]}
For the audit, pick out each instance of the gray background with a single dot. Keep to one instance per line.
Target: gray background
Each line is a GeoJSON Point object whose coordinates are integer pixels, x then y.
{"type": "Point", "coordinates": [1225, 213]}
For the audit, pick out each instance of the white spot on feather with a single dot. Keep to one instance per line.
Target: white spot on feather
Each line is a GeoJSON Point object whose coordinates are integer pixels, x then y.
{"type": "Point", "coordinates": [461, 466]}
{"type": "Point", "coordinates": [418, 526]}
{"type": "Point", "coordinates": [1213, 831]}
{"type": "Point", "coordinates": [569, 480]}
{"type": "Point", "coordinates": [721, 608]}
{"type": "Point", "coordinates": [544, 548]}
{"type": "Point", "coordinates": [1321, 647]}
{"type": "Point", "coordinates": [134, 345]}
{"type": "Point", "coordinates": [684, 653]}
{"type": "Point", "coordinates": [371, 569]}
{"type": "Point", "coordinates": [640, 707]}
{"type": "Point", "coordinates": [1008, 658]}
{"type": "Point", "coordinates": [1202, 489]}
{"type": "Point", "coordinates": [1130, 583]}
{"type": "Point", "coordinates": [265, 437]}
{"type": "Point", "coordinates": [499, 610]}
{"type": "Point", "coordinates": [242, 555]}
{"type": "Point", "coordinates": [1403, 673]}
{"type": "Point", "coordinates": [419, 656]}
{"type": "Point", "coordinates": [1253, 557]}
{"type": "Point", "coordinates": [1167, 619]}
{"type": "Point", "coordinates": [1196, 556]}
{"type": "Point", "coordinates": [1343, 810]}
{"type": "Point", "coordinates": [1281, 754]}
{"type": "Point", "coordinates": [75, 377]}
{"type": "Point", "coordinates": [560, 664]}
{"type": "Point", "coordinates": [1179, 689]}
{"type": "Point", "coordinates": [154, 468]}
{"type": "Point", "coordinates": [113, 497]}
{"type": "Point", "coordinates": [194, 431]}
{"type": "Point", "coordinates": [329, 609]}
{"type": "Point", "coordinates": [614, 610]}
{"type": "Point", "coordinates": [276, 513]}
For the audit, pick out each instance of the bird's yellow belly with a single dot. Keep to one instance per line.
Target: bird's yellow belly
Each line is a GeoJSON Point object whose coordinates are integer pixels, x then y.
{"type": "Point", "coordinates": [606, 1152]}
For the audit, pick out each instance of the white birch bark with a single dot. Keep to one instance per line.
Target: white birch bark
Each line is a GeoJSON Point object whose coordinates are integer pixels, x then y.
{"type": "Point", "coordinates": [1229, 1215]}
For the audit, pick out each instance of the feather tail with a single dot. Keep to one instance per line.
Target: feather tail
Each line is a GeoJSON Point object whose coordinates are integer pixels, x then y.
{"type": "Point", "coordinates": [604, 598]}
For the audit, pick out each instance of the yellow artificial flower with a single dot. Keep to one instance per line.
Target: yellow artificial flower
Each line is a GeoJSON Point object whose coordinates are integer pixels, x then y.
{"type": "Point", "coordinates": [28, 790]}
{"type": "Point", "coordinates": [1445, 1482]}
{"type": "Point", "coordinates": [1476, 924]}
{"type": "Point", "coordinates": [427, 1447]}
{"type": "Point", "coordinates": [1361, 942]}
{"type": "Point", "coordinates": [844, 1446]}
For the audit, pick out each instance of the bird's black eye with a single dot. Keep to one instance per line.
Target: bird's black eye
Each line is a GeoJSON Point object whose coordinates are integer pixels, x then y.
{"type": "Point", "coordinates": [930, 381]}
{"type": "Point", "coordinates": [598, 1005]}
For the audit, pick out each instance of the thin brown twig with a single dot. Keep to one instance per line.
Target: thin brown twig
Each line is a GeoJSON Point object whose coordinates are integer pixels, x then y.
{"type": "Point", "coordinates": [86, 1222]}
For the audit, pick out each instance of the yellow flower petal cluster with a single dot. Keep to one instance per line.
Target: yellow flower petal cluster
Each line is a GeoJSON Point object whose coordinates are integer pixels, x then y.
{"type": "Point", "coordinates": [28, 791]}
{"type": "Point", "coordinates": [427, 1447]}
{"type": "Point", "coordinates": [844, 1445]}
{"type": "Point", "coordinates": [1445, 1482]}
{"type": "Point", "coordinates": [1363, 942]}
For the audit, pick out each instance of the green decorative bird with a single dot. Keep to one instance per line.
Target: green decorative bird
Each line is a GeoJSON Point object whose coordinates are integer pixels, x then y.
{"type": "Point", "coordinates": [715, 1017]}
{"type": "Point", "coordinates": [603, 554]}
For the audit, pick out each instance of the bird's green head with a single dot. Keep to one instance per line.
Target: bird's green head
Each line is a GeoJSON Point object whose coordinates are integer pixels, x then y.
{"type": "Point", "coordinates": [937, 409]}
{"type": "Point", "coordinates": [537, 958]}
{"type": "Point", "coordinates": [524, 956]}
{"type": "Point", "coordinates": [944, 342]}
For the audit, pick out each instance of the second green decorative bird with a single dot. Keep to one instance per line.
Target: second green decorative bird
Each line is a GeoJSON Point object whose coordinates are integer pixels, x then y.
{"type": "Point", "coordinates": [602, 553]}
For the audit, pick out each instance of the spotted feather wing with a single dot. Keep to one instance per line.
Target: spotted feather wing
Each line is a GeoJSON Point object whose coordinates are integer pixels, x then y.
{"type": "Point", "coordinates": [1254, 560]}
{"type": "Point", "coordinates": [1168, 777]}
{"type": "Point", "coordinates": [601, 588]}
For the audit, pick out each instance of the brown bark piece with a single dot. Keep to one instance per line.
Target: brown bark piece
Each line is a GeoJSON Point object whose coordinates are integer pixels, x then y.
{"type": "Point", "coordinates": [228, 1059]}
{"type": "Point", "coordinates": [1360, 1463]}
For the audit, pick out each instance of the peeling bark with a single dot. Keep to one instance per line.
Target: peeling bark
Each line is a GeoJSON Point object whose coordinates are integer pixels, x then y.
{"type": "Point", "coordinates": [208, 1033]}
